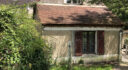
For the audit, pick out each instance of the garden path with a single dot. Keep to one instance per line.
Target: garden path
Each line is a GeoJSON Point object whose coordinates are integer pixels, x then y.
{"type": "Point", "coordinates": [122, 66]}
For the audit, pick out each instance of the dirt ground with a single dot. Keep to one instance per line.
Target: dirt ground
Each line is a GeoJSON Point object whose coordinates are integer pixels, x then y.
{"type": "Point", "coordinates": [121, 66]}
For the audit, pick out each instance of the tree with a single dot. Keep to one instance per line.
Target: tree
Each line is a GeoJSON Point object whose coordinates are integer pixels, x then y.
{"type": "Point", "coordinates": [21, 47]}
{"type": "Point", "coordinates": [118, 7]}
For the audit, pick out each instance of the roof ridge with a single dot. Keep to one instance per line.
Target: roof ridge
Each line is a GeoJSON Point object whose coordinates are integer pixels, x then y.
{"type": "Point", "coordinates": [70, 5]}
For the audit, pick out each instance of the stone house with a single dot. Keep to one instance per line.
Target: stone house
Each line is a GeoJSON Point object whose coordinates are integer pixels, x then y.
{"type": "Point", "coordinates": [92, 30]}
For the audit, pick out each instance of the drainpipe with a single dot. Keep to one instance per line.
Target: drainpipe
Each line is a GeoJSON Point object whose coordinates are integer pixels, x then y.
{"type": "Point", "coordinates": [69, 56]}
{"type": "Point", "coordinates": [120, 45]}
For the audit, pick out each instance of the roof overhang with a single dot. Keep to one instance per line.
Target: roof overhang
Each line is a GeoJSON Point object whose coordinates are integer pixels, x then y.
{"type": "Point", "coordinates": [82, 28]}
{"type": "Point", "coordinates": [83, 25]}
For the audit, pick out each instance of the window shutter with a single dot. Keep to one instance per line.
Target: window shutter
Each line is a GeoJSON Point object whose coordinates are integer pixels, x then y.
{"type": "Point", "coordinates": [78, 43]}
{"type": "Point", "coordinates": [100, 43]}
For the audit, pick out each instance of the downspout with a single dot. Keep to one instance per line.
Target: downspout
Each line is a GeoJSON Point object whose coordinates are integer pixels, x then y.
{"type": "Point", "coordinates": [69, 56]}
{"type": "Point", "coordinates": [120, 45]}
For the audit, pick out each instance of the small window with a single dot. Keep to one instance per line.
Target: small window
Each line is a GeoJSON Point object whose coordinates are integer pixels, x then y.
{"type": "Point", "coordinates": [75, 1]}
{"type": "Point", "coordinates": [89, 42]}
{"type": "Point", "coordinates": [85, 42]}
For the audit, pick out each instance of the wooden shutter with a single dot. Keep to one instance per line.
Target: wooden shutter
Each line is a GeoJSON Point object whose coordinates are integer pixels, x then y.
{"type": "Point", "coordinates": [100, 44]}
{"type": "Point", "coordinates": [78, 43]}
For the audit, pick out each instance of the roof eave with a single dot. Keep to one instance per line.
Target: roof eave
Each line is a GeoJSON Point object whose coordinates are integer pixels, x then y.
{"type": "Point", "coordinates": [83, 25]}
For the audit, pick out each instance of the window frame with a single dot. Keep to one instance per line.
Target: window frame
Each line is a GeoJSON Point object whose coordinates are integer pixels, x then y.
{"type": "Point", "coordinates": [73, 40]}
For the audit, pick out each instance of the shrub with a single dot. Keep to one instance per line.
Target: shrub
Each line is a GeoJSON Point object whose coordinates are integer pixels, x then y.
{"type": "Point", "coordinates": [21, 47]}
{"type": "Point", "coordinates": [81, 61]}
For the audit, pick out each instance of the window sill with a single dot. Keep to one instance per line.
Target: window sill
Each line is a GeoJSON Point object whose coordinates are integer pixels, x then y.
{"type": "Point", "coordinates": [89, 55]}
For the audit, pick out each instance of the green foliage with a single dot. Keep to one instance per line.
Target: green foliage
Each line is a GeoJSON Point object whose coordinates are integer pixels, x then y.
{"type": "Point", "coordinates": [118, 7]}
{"type": "Point", "coordinates": [126, 41]}
{"type": "Point", "coordinates": [78, 67]}
{"type": "Point", "coordinates": [81, 61]}
{"type": "Point", "coordinates": [21, 46]}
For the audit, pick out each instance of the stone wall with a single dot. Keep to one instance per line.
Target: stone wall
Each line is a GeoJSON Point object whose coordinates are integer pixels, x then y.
{"type": "Point", "coordinates": [111, 42]}
{"type": "Point", "coordinates": [58, 40]}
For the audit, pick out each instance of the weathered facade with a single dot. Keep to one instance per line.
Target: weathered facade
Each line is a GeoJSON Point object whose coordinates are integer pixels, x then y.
{"type": "Point", "coordinates": [58, 40]}
{"type": "Point", "coordinates": [92, 32]}
{"type": "Point", "coordinates": [112, 42]}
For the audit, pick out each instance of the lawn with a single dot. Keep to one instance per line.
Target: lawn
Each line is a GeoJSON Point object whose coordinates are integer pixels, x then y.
{"type": "Point", "coordinates": [80, 67]}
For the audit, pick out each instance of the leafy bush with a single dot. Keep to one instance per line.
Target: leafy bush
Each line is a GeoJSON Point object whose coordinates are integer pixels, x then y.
{"type": "Point", "coordinates": [126, 41]}
{"type": "Point", "coordinates": [78, 67]}
{"type": "Point", "coordinates": [21, 47]}
{"type": "Point", "coordinates": [81, 61]}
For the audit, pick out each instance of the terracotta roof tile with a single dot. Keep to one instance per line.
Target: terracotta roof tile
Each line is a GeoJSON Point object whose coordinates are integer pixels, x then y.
{"type": "Point", "coordinates": [57, 14]}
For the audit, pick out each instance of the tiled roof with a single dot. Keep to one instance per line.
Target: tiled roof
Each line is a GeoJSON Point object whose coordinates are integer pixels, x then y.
{"type": "Point", "coordinates": [20, 2]}
{"type": "Point", "coordinates": [63, 14]}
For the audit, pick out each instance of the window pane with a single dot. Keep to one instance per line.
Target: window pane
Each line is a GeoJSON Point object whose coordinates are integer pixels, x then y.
{"type": "Point", "coordinates": [68, 1]}
{"type": "Point", "coordinates": [84, 42]}
{"type": "Point", "coordinates": [92, 42]}
{"type": "Point", "coordinates": [88, 42]}
{"type": "Point", "coordinates": [73, 1]}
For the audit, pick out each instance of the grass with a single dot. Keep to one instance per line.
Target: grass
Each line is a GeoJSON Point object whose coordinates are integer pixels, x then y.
{"type": "Point", "coordinates": [81, 67]}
